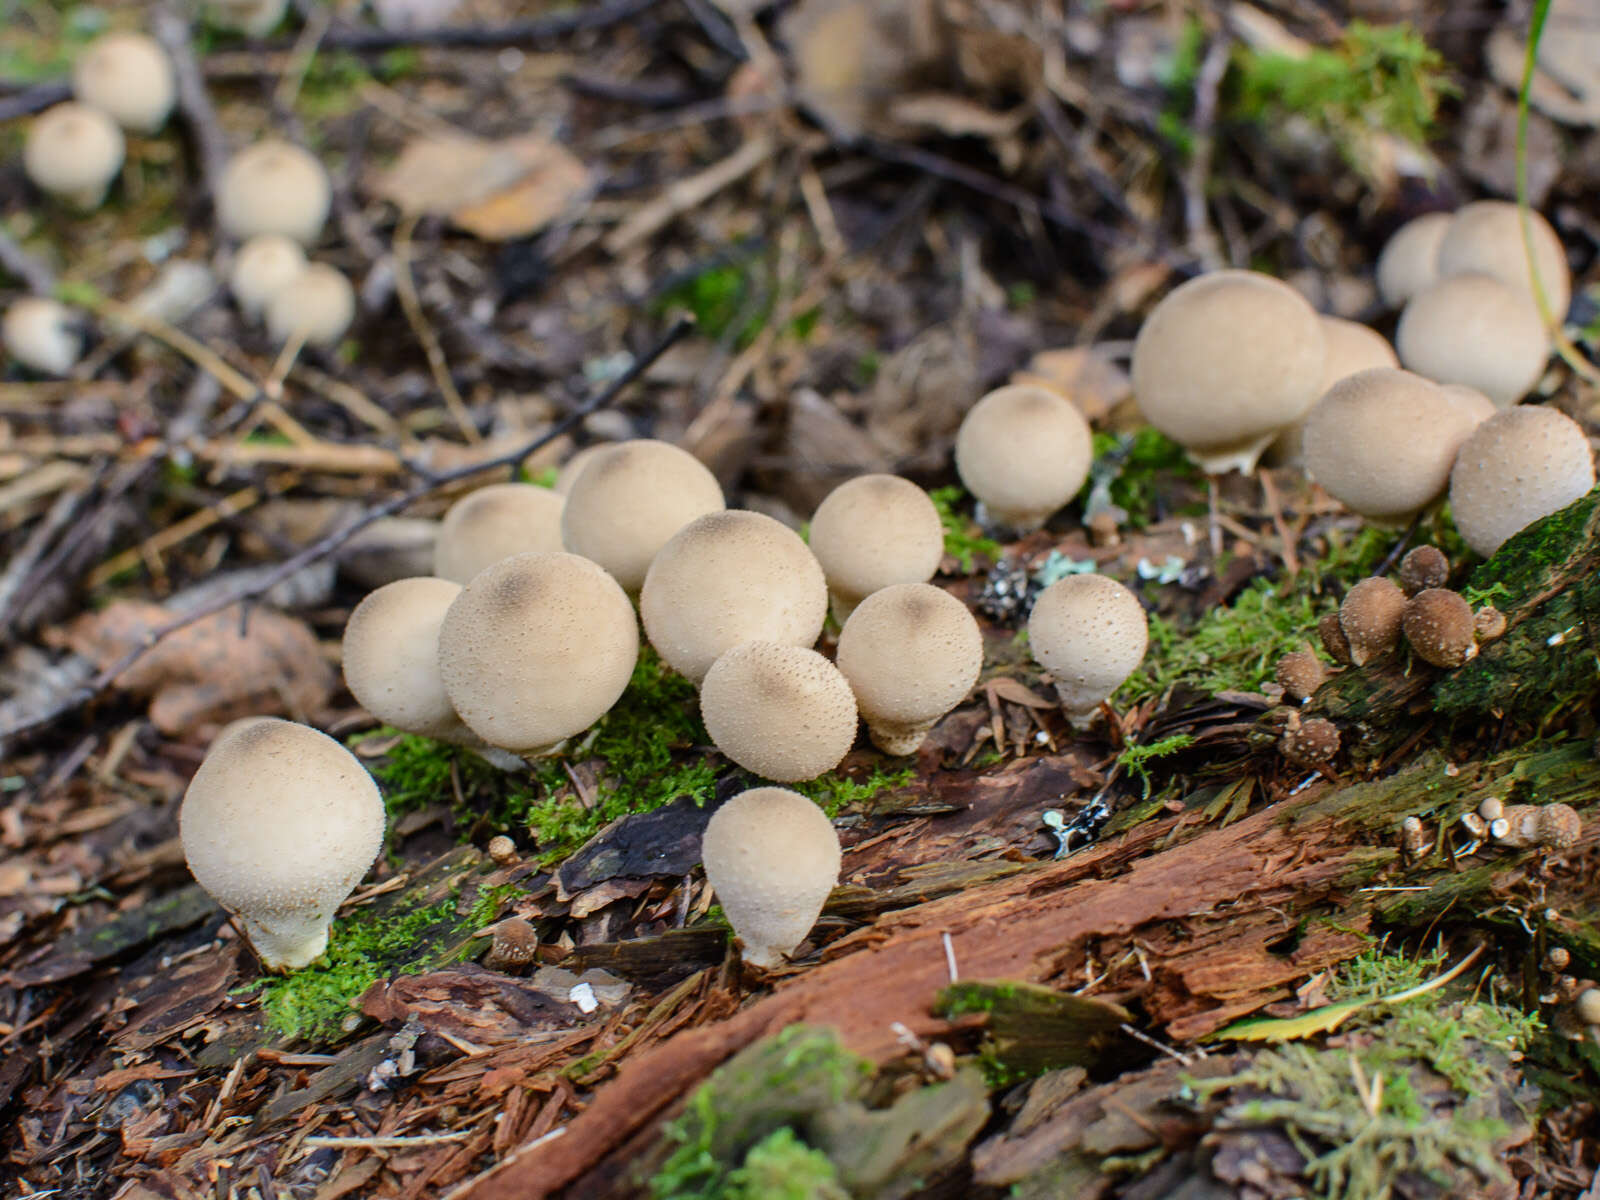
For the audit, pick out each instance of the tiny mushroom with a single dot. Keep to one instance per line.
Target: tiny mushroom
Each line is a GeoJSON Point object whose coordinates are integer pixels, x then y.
{"type": "Point", "coordinates": [1518, 466]}
{"type": "Point", "coordinates": [496, 522]}
{"type": "Point", "coordinates": [1313, 742]}
{"type": "Point", "coordinates": [74, 152]}
{"type": "Point", "coordinates": [129, 77]}
{"type": "Point", "coordinates": [1423, 567]}
{"type": "Point", "coordinates": [1439, 626]}
{"type": "Point", "coordinates": [1409, 261]}
{"type": "Point", "coordinates": [1333, 639]}
{"type": "Point", "coordinates": [771, 857]}
{"type": "Point", "coordinates": [1552, 826]}
{"type": "Point", "coordinates": [782, 712]}
{"type": "Point", "coordinates": [1489, 623]}
{"type": "Point", "coordinates": [1492, 809]}
{"type": "Point", "coordinates": [1370, 617]}
{"type": "Point", "coordinates": [278, 825]}
{"type": "Point", "coordinates": [514, 943]}
{"type": "Point", "coordinates": [43, 335]}
{"type": "Point", "coordinates": [1023, 451]}
{"type": "Point", "coordinates": [391, 657]}
{"type": "Point", "coordinates": [537, 648]}
{"type": "Point", "coordinates": [1301, 673]}
{"type": "Point", "coordinates": [874, 531]}
{"type": "Point", "coordinates": [1475, 330]}
{"type": "Point", "coordinates": [263, 266]}
{"type": "Point", "coordinates": [1090, 633]}
{"type": "Point", "coordinates": [911, 652]}
{"type": "Point", "coordinates": [318, 305]}
{"type": "Point", "coordinates": [1485, 238]}
{"type": "Point", "coordinates": [629, 501]}
{"type": "Point", "coordinates": [274, 187]}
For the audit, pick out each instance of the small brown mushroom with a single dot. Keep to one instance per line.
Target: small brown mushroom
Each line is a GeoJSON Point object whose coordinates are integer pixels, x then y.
{"type": "Point", "coordinates": [1439, 626]}
{"type": "Point", "coordinates": [1422, 568]}
{"type": "Point", "coordinates": [502, 850]}
{"type": "Point", "coordinates": [1301, 673]}
{"type": "Point", "coordinates": [515, 944]}
{"type": "Point", "coordinates": [1492, 809]}
{"type": "Point", "coordinates": [1552, 826]}
{"type": "Point", "coordinates": [1557, 958]}
{"type": "Point", "coordinates": [1489, 623]}
{"type": "Point", "coordinates": [1413, 837]}
{"type": "Point", "coordinates": [1370, 618]}
{"type": "Point", "coordinates": [1313, 742]}
{"type": "Point", "coordinates": [1333, 639]}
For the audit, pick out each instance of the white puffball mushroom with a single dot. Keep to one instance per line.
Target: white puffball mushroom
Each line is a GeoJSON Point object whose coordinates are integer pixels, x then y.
{"type": "Point", "coordinates": [781, 712]}
{"type": "Point", "coordinates": [874, 531]}
{"type": "Point", "coordinates": [1090, 633]}
{"type": "Point", "coordinates": [318, 305]}
{"type": "Point", "coordinates": [129, 77]}
{"type": "Point", "coordinates": [1224, 363]}
{"type": "Point", "coordinates": [493, 523]}
{"type": "Point", "coordinates": [1409, 261]}
{"type": "Point", "coordinates": [264, 266]}
{"type": "Point", "coordinates": [73, 152]}
{"type": "Point", "coordinates": [573, 467]}
{"type": "Point", "coordinates": [1518, 466]}
{"type": "Point", "coordinates": [911, 652]}
{"type": "Point", "coordinates": [278, 826]}
{"type": "Point", "coordinates": [274, 187]}
{"type": "Point", "coordinates": [1485, 238]}
{"type": "Point", "coordinates": [43, 335]}
{"type": "Point", "coordinates": [1475, 330]}
{"type": "Point", "coordinates": [391, 657]}
{"type": "Point", "coordinates": [771, 857]}
{"type": "Point", "coordinates": [1351, 347]}
{"type": "Point", "coordinates": [1024, 452]}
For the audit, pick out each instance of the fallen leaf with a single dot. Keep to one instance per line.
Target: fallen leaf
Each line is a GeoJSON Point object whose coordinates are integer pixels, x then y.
{"type": "Point", "coordinates": [493, 190]}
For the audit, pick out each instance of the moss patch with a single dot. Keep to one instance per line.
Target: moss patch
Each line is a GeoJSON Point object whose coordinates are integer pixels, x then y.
{"type": "Point", "coordinates": [834, 792]}
{"type": "Point", "coordinates": [962, 539]}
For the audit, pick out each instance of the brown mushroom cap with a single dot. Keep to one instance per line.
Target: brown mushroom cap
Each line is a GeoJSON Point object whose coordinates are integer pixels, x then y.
{"type": "Point", "coordinates": [630, 499]}
{"type": "Point", "coordinates": [1518, 466]}
{"type": "Point", "coordinates": [1423, 567]}
{"type": "Point", "coordinates": [1313, 742]}
{"type": "Point", "coordinates": [1333, 639]}
{"type": "Point", "coordinates": [264, 265]}
{"type": "Point", "coordinates": [1485, 238]}
{"type": "Point", "coordinates": [911, 652]}
{"type": "Point", "coordinates": [1090, 633]}
{"type": "Point", "coordinates": [1024, 452]}
{"type": "Point", "coordinates": [1439, 626]}
{"type": "Point", "coordinates": [537, 648]}
{"type": "Point", "coordinates": [1489, 623]}
{"type": "Point", "coordinates": [129, 77]}
{"type": "Point", "coordinates": [1225, 362]}
{"type": "Point", "coordinates": [391, 656]}
{"type": "Point", "coordinates": [727, 578]}
{"type": "Point", "coordinates": [1370, 617]}
{"type": "Point", "coordinates": [273, 187]}
{"type": "Point", "coordinates": [74, 152]}
{"type": "Point", "coordinates": [771, 857]}
{"type": "Point", "coordinates": [781, 712]}
{"type": "Point", "coordinates": [496, 522]}
{"type": "Point", "coordinates": [1301, 673]}
{"type": "Point", "coordinates": [318, 304]}
{"type": "Point", "coordinates": [874, 531]}
{"type": "Point", "coordinates": [1475, 330]}
{"type": "Point", "coordinates": [1409, 263]}
{"type": "Point", "coordinates": [278, 825]}
{"type": "Point", "coordinates": [43, 335]}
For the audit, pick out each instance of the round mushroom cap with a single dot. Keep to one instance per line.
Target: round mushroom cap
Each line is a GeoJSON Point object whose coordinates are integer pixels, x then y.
{"type": "Point", "coordinates": [278, 825]}
{"type": "Point", "coordinates": [1409, 262]}
{"type": "Point", "coordinates": [274, 187]}
{"type": "Point", "coordinates": [874, 531]}
{"type": "Point", "coordinates": [1382, 442]}
{"type": "Point", "coordinates": [264, 265]}
{"type": "Point", "coordinates": [1313, 742]}
{"type": "Point", "coordinates": [1351, 347]}
{"type": "Point", "coordinates": [1090, 633]}
{"type": "Point", "coordinates": [1300, 673]}
{"type": "Point", "coordinates": [1370, 617]}
{"type": "Point", "coordinates": [771, 857]}
{"type": "Point", "coordinates": [496, 522]}
{"type": "Point", "coordinates": [1422, 568]}
{"type": "Point", "coordinates": [630, 499]}
{"type": "Point", "coordinates": [391, 656]}
{"type": "Point", "coordinates": [129, 77]}
{"type": "Point", "coordinates": [1440, 627]}
{"type": "Point", "coordinates": [726, 578]}
{"type": "Point", "coordinates": [781, 712]}
{"type": "Point", "coordinates": [1475, 330]}
{"type": "Point", "coordinates": [537, 648]}
{"type": "Point", "coordinates": [1518, 466]}
{"type": "Point", "coordinates": [1485, 238]}
{"type": "Point", "coordinates": [74, 152]}
{"type": "Point", "coordinates": [573, 467]}
{"type": "Point", "coordinates": [1024, 451]}
{"type": "Point", "coordinates": [43, 335]}
{"type": "Point", "coordinates": [1333, 639]}
{"type": "Point", "coordinates": [911, 652]}
{"type": "Point", "coordinates": [1224, 362]}
{"type": "Point", "coordinates": [318, 304]}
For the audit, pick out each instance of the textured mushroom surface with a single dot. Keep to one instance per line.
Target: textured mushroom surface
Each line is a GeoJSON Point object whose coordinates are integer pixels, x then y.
{"type": "Point", "coordinates": [1090, 633]}
{"type": "Point", "coordinates": [1313, 742]}
{"type": "Point", "coordinates": [74, 152]}
{"type": "Point", "coordinates": [391, 656]}
{"type": "Point", "coordinates": [496, 522]}
{"type": "Point", "coordinates": [129, 77]}
{"type": "Point", "coordinates": [1440, 627]}
{"type": "Point", "coordinates": [274, 187]}
{"type": "Point", "coordinates": [1409, 261]}
{"type": "Point", "coordinates": [1485, 238]}
{"type": "Point", "coordinates": [1024, 452]}
{"type": "Point", "coordinates": [1519, 465]}
{"type": "Point", "coordinates": [1475, 330]}
{"type": "Point", "coordinates": [43, 335]}
{"type": "Point", "coordinates": [781, 712]}
{"type": "Point", "coordinates": [874, 531]}
{"type": "Point", "coordinates": [1423, 567]}
{"type": "Point", "coordinates": [1301, 673]}
{"type": "Point", "coordinates": [318, 304]}
{"type": "Point", "coordinates": [1370, 617]}
{"type": "Point", "coordinates": [262, 267]}
{"type": "Point", "coordinates": [1333, 639]}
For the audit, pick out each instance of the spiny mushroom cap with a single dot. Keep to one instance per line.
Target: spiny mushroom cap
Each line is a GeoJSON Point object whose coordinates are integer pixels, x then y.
{"type": "Point", "coordinates": [1090, 633]}
{"type": "Point", "coordinates": [1519, 465]}
{"type": "Point", "coordinates": [537, 648]}
{"type": "Point", "coordinates": [318, 304]}
{"type": "Point", "coordinates": [1224, 362]}
{"type": "Point", "coordinates": [391, 656]}
{"type": "Point", "coordinates": [1301, 673]}
{"type": "Point", "coordinates": [911, 652]}
{"type": "Point", "coordinates": [1475, 330]}
{"type": "Point", "coordinates": [278, 825]}
{"type": "Point", "coordinates": [264, 265]}
{"type": "Point", "coordinates": [496, 522]}
{"type": "Point", "coordinates": [74, 152]}
{"type": "Point", "coordinates": [573, 467]}
{"type": "Point", "coordinates": [1439, 626]}
{"type": "Point", "coordinates": [1333, 639]}
{"type": "Point", "coordinates": [43, 335]}
{"type": "Point", "coordinates": [274, 187]}
{"type": "Point", "coordinates": [630, 499]}
{"type": "Point", "coordinates": [1560, 826]}
{"type": "Point", "coordinates": [1370, 618]}
{"type": "Point", "coordinates": [771, 857]}
{"type": "Point", "coordinates": [1382, 442]}
{"type": "Point", "coordinates": [1423, 567]}
{"type": "Point", "coordinates": [874, 531]}
{"type": "Point", "coordinates": [1024, 451]}
{"type": "Point", "coordinates": [129, 77]}
{"type": "Point", "coordinates": [781, 712]}
{"type": "Point", "coordinates": [1310, 743]}
{"type": "Point", "coordinates": [1485, 238]}
{"type": "Point", "coordinates": [1489, 623]}
{"type": "Point", "coordinates": [727, 578]}
{"type": "Point", "coordinates": [1409, 262]}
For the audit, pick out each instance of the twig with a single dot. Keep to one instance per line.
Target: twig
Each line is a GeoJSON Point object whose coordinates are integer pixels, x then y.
{"type": "Point", "coordinates": [171, 28]}
{"type": "Point", "coordinates": [35, 99]}
{"type": "Point", "coordinates": [406, 289]}
{"type": "Point", "coordinates": [684, 194]}
{"type": "Point", "coordinates": [1202, 238]}
{"type": "Point", "coordinates": [487, 37]}
{"type": "Point", "coordinates": [18, 263]}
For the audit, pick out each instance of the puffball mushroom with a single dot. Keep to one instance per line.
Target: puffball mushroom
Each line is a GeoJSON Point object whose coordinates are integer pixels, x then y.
{"type": "Point", "coordinates": [274, 187]}
{"type": "Point", "coordinates": [43, 335]}
{"type": "Point", "coordinates": [1518, 466]}
{"type": "Point", "coordinates": [1313, 742]}
{"type": "Point", "coordinates": [1422, 568]}
{"type": "Point", "coordinates": [1370, 617]}
{"type": "Point", "coordinates": [263, 266]}
{"type": "Point", "coordinates": [1351, 347]}
{"type": "Point", "coordinates": [1023, 451]}
{"type": "Point", "coordinates": [1439, 626]}
{"type": "Point", "coordinates": [573, 467]}
{"type": "Point", "coordinates": [771, 857]}
{"type": "Point", "coordinates": [1475, 330]}
{"type": "Point", "coordinates": [129, 77]}
{"type": "Point", "coordinates": [630, 499]}
{"type": "Point", "coordinates": [726, 578]}
{"type": "Point", "coordinates": [1300, 673]}
{"type": "Point", "coordinates": [391, 657]}
{"type": "Point", "coordinates": [74, 152]}
{"type": "Point", "coordinates": [1409, 261]}
{"type": "Point", "coordinates": [1090, 633]}
{"type": "Point", "coordinates": [496, 522]}
{"type": "Point", "coordinates": [537, 648]}
{"type": "Point", "coordinates": [318, 305]}
{"type": "Point", "coordinates": [911, 652]}
{"type": "Point", "coordinates": [781, 712]}
{"type": "Point", "coordinates": [1333, 639]}
{"type": "Point", "coordinates": [278, 826]}
{"type": "Point", "coordinates": [1224, 363]}
{"type": "Point", "coordinates": [874, 531]}
{"type": "Point", "coordinates": [1485, 238]}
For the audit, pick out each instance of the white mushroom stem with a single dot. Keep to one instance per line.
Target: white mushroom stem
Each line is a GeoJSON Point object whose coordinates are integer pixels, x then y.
{"type": "Point", "coordinates": [899, 738]}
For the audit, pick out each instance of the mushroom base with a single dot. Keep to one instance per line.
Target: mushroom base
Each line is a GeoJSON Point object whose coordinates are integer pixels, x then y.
{"type": "Point", "coordinates": [286, 943]}
{"type": "Point", "coordinates": [898, 740]}
{"type": "Point", "coordinates": [1009, 520]}
{"type": "Point", "coordinates": [1240, 456]}
{"type": "Point", "coordinates": [841, 606]}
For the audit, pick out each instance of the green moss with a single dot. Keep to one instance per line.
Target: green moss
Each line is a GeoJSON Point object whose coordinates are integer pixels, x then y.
{"type": "Point", "coordinates": [1136, 760]}
{"type": "Point", "coordinates": [727, 300]}
{"type": "Point", "coordinates": [1132, 470]}
{"type": "Point", "coordinates": [835, 792]}
{"type": "Point", "coordinates": [962, 542]}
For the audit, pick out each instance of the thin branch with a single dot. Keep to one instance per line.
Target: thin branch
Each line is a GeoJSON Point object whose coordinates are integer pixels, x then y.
{"type": "Point", "coordinates": [171, 29]}
{"type": "Point", "coordinates": [18, 263]}
{"type": "Point", "coordinates": [489, 37]}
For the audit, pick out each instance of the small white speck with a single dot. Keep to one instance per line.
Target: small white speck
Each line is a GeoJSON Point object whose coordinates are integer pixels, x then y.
{"type": "Point", "coordinates": [511, 59]}
{"type": "Point", "coordinates": [582, 995]}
